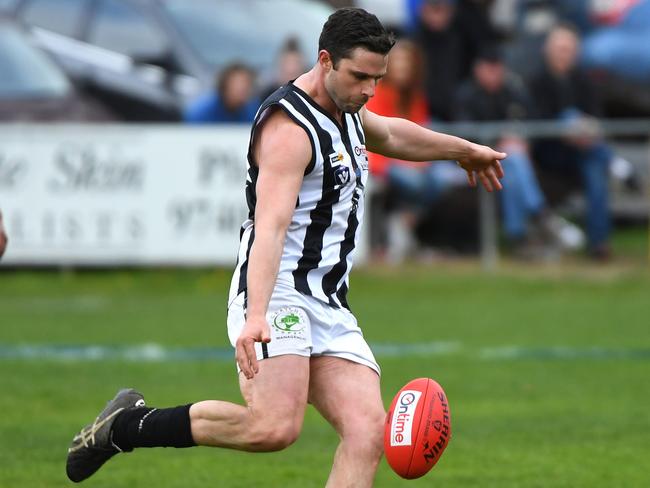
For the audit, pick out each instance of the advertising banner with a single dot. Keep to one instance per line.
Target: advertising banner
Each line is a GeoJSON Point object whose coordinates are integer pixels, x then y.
{"type": "Point", "coordinates": [122, 194]}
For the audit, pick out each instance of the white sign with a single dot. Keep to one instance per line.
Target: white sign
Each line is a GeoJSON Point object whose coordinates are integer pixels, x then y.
{"type": "Point", "coordinates": [122, 194]}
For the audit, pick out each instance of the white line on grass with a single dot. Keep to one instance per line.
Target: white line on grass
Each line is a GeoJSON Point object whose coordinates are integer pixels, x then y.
{"type": "Point", "coordinates": [158, 353]}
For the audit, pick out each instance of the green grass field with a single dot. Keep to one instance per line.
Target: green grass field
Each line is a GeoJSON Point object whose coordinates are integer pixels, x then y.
{"type": "Point", "coordinates": [547, 372]}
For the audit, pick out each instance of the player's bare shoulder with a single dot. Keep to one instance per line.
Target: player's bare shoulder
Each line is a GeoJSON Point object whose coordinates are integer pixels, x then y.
{"type": "Point", "coordinates": [278, 140]}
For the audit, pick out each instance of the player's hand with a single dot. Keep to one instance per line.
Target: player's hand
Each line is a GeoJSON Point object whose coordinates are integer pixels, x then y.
{"type": "Point", "coordinates": [255, 330]}
{"type": "Point", "coordinates": [483, 163]}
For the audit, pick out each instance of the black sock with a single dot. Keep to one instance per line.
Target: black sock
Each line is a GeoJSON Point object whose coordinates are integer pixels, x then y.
{"type": "Point", "coordinates": [152, 427]}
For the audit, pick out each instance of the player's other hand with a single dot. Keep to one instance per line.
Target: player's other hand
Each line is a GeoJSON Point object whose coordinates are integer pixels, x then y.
{"type": "Point", "coordinates": [255, 330]}
{"type": "Point", "coordinates": [483, 163]}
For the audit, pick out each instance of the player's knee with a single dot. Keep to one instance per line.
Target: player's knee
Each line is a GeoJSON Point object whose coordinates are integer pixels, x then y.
{"type": "Point", "coordinates": [275, 436]}
{"type": "Point", "coordinates": [376, 426]}
{"type": "Point", "coordinates": [367, 435]}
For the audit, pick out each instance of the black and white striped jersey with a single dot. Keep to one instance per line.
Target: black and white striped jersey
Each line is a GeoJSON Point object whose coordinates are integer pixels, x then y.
{"type": "Point", "coordinates": [325, 228]}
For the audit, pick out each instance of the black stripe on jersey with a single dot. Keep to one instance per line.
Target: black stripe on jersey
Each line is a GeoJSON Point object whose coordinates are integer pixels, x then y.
{"type": "Point", "coordinates": [321, 215]}
{"type": "Point", "coordinates": [251, 195]}
{"type": "Point", "coordinates": [345, 137]}
{"type": "Point", "coordinates": [333, 276]}
{"type": "Point", "coordinates": [241, 235]}
{"type": "Point", "coordinates": [359, 128]}
{"type": "Point", "coordinates": [342, 295]}
{"type": "Point", "coordinates": [318, 108]}
{"type": "Point", "coordinates": [243, 271]}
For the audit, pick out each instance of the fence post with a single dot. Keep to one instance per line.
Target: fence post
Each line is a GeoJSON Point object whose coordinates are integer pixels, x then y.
{"type": "Point", "coordinates": [489, 230]}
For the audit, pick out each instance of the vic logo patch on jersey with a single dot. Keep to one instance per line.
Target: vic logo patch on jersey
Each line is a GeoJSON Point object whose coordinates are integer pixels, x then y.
{"type": "Point", "coordinates": [341, 171]}
{"type": "Point", "coordinates": [341, 176]}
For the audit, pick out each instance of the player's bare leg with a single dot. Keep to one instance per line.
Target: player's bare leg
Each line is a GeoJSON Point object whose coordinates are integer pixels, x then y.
{"type": "Point", "coordinates": [347, 394]}
{"type": "Point", "coordinates": [272, 417]}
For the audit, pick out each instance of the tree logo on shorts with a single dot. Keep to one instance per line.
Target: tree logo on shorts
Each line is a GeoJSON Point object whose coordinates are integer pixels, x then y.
{"type": "Point", "coordinates": [289, 320]}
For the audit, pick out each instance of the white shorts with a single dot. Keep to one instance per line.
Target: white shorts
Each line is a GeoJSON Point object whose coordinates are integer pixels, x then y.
{"type": "Point", "coordinates": [302, 325]}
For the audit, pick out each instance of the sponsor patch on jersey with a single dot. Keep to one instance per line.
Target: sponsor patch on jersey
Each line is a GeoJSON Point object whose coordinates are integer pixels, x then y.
{"type": "Point", "coordinates": [336, 158]}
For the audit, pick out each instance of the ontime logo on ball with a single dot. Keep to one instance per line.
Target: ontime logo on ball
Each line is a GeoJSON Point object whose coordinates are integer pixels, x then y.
{"type": "Point", "coordinates": [401, 425]}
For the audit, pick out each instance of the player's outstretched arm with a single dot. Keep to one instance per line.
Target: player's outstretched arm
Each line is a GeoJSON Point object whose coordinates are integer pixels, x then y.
{"type": "Point", "coordinates": [282, 152]}
{"type": "Point", "coordinates": [402, 139]}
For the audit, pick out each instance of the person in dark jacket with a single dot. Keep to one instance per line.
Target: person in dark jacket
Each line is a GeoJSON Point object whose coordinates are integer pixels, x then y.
{"type": "Point", "coordinates": [442, 46]}
{"type": "Point", "coordinates": [494, 95]}
{"type": "Point", "coordinates": [563, 92]}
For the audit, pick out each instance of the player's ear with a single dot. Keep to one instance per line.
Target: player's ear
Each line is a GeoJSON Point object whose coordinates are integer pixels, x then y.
{"type": "Point", "coordinates": [325, 60]}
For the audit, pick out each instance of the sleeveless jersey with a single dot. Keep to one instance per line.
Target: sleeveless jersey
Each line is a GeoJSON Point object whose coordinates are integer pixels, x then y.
{"type": "Point", "coordinates": [325, 227]}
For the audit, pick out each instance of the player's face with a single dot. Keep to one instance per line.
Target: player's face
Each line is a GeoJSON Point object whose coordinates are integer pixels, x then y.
{"type": "Point", "coordinates": [354, 80]}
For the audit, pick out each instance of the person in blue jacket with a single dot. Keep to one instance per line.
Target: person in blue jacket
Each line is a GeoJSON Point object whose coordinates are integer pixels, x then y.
{"type": "Point", "coordinates": [234, 100]}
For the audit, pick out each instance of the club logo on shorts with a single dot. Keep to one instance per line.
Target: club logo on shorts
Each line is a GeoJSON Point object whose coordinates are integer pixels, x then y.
{"type": "Point", "coordinates": [290, 320]}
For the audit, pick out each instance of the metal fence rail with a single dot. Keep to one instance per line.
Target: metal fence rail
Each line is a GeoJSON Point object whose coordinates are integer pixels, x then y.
{"type": "Point", "coordinates": [625, 134]}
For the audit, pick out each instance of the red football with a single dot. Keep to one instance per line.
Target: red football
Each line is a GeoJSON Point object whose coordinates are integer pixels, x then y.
{"type": "Point", "coordinates": [418, 428]}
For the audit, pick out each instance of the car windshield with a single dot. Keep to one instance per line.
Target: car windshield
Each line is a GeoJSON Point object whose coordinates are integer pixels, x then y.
{"type": "Point", "coordinates": [26, 72]}
{"type": "Point", "coordinates": [252, 31]}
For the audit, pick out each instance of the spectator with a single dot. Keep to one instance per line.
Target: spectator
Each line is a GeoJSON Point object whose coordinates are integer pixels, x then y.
{"type": "Point", "coordinates": [492, 95]}
{"type": "Point", "coordinates": [444, 58]}
{"type": "Point", "coordinates": [233, 101]}
{"type": "Point", "coordinates": [3, 237]}
{"type": "Point", "coordinates": [476, 30]}
{"type": "Point", "coordinates": [450, 33]}
{"type": "Point", "coordinates": [564, 93]}
{"type": "Point", "coordinates": [290, 64]}
{"type": "Point", "coordinates": [411, 187]}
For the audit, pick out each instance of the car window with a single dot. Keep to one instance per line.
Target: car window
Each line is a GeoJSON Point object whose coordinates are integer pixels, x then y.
{"type": "Point", "coordinates": [61, 16]}
{"type": "Point", "coordinates": [26, 71]}
{"type": "Point", "coordinates": [251, 31]}
{"type": "Point", "coordinates": [6, 5]}
{"type": "Point", "coordinates": [125, 29]}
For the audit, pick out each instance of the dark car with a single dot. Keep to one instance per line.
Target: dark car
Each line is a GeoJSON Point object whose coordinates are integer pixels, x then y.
{"type": "Point", "coordinates": [148, 58]}
{"type": "Point", "coordinates": [34, 89]}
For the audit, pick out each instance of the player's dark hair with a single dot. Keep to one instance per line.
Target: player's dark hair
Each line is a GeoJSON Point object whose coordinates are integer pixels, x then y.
{"type": "Point", "coordinates": [349, 28]}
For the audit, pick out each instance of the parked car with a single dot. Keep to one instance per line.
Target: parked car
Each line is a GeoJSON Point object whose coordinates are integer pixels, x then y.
{"type": "Point", "coordinates": [34, 89]}
{"type": "Point", "coordinates": [150, 57]}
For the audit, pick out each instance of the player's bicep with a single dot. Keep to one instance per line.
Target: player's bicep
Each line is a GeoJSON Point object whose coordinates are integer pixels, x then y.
{"type": "Point", "coordinates": [377, 131]}
{"type": "Point", "coordinates": [282, 152]}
